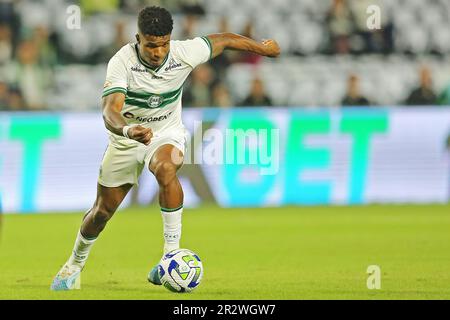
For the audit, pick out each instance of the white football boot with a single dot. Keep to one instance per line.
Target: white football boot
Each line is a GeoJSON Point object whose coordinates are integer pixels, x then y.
{"type": "Point", "coordinates": [68, 278]}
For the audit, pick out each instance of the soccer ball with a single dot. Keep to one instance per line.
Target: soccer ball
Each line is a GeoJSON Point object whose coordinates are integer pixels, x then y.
{"type": "Point", "coordinates": [180, 270]}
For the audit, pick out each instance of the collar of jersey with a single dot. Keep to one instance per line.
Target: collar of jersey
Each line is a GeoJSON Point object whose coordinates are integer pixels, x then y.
{"type": "Point", "coordinates": [145, 64]}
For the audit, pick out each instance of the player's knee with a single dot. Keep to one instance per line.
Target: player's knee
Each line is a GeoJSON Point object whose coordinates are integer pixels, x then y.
{"type": "Point", "coordinates": [102, 214]}
{"type": "Point", "coordinates": [165, 172]}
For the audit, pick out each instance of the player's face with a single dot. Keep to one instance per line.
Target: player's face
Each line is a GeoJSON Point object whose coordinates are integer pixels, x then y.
{"type": "Point", "coordinates": [153, 48]}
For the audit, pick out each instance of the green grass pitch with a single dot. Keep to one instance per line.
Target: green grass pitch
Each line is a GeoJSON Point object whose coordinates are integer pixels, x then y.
{"type": "Point", "coordinates": [268, 253]}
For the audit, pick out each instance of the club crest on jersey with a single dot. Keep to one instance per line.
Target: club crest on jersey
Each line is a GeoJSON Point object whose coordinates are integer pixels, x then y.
{"type": "Point", "coordinates": [155, 101]}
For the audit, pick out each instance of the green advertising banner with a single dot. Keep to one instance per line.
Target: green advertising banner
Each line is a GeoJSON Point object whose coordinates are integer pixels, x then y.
{"type": "Point", "coordinates": [240, 157]}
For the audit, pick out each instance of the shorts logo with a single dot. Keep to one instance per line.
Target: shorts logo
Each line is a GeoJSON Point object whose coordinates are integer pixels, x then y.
{"type": "Point", "coordinates": [155, 101]}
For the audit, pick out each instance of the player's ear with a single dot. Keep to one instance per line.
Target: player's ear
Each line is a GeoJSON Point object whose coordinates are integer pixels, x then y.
{"type": "Point", "coordinates": [137, 38]}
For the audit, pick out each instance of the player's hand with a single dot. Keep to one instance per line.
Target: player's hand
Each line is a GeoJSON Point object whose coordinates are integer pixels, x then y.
{"type": "Point", "coordinates": [271, 48]}
{"type": "Point", "coordinates": [141, 134]}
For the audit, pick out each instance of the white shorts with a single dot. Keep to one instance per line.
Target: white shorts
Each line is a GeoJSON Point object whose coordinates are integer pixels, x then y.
{"type": "Point", "coordinates": [124, 160]}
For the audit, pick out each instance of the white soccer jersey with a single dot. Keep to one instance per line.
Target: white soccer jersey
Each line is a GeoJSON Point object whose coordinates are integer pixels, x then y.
{"type": "Point", "coordinates": [153, 96]}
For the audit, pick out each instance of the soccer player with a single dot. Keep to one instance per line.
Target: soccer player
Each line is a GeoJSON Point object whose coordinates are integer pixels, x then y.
{"type": "Point", "coordinates": [142, 112]}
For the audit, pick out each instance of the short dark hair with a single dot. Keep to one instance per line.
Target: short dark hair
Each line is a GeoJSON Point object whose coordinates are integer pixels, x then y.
{"type": "Point", "coordinates": [155, 21]}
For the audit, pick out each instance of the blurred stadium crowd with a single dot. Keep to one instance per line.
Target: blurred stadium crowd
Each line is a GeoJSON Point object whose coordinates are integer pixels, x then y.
{"type": "Point", "coordinates": [329, 58]}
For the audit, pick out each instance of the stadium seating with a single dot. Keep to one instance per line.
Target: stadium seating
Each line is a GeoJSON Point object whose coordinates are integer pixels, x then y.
{"type": "Point", "coordinates": [308, 79]}
{"type": "Point", "coordinates": [420, 26]}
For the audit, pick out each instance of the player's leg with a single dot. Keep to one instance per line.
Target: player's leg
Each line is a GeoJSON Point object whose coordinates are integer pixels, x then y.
{"type": "Point", "coordinates": [164, 165]}
{"type": "Point", "coordinates": [107, 201]}
{"type": "Point", "coordinates": [120, 169]}
{"type": "Point", "coordinates": [94, 221]}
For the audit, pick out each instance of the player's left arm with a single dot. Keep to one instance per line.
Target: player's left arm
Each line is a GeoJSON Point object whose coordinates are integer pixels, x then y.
{"type": "Point", "coordinates": [232, 41]}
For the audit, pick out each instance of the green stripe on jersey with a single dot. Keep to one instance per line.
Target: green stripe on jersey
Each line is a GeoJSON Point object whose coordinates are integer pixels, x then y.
{"type": "Point", "coordinates": [146, 95]}
{"type": "Point", "coordinates": [151, 101]}
{"type": "Point", "coordinates": [208, 42]}
{"type": "Point", "coordinates": [113, 90]}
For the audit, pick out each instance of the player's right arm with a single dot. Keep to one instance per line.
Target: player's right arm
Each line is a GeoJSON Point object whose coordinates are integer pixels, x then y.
{"type": "Point", "coordinates": [113, 97]}
{"type": "Point", "coordinates": [114, 122]}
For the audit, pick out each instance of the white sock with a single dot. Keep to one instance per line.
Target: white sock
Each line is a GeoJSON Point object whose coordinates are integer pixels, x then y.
{"type": "Point", "coordinates": [172, 228]}
{"type": "Point", "coordinates": [80, 251]}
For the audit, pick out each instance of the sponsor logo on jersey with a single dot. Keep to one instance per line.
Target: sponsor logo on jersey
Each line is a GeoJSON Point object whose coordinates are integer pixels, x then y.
{"type": "Point", "coordinates": [172, 65]}
{"type": "Point", "coordinates": [136, 68]}
{"type": "Point", "coordinates": [129, 115]}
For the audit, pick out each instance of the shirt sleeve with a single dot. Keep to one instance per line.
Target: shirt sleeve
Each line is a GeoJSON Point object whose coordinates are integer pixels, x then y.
{"type": "Point", "coordinates": [116, 77]}
{"type": "Point", "coordinates": [196, 51]}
